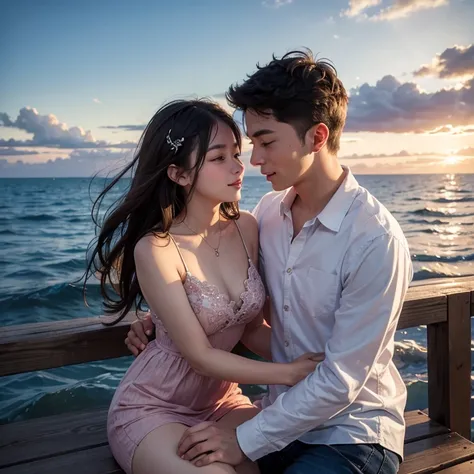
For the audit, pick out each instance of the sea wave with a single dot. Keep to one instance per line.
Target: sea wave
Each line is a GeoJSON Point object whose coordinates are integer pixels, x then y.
{"type": "Point", "coordinates": [447, 200]}
{"type": "Point", "coordinates": [443, 258]}
{"type": "Point", "coordinates": [38, 217]}
{"type": "Point", "coordinates": [49, 297]}
{"type": "Point", "coordinates": [426, 211]}
{"type": "Point", "coordinates": [427, 273]}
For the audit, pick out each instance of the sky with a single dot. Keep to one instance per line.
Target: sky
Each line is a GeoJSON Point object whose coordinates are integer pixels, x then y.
{"type": "Point", "coordinates": [80, 79]}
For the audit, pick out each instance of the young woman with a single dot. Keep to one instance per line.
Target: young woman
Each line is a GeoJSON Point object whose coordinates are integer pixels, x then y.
{"type": "Point", "coordinates": [178, 241]}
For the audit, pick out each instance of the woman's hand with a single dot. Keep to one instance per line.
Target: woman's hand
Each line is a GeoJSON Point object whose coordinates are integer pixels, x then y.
{"type": "Point", "coordinates": [303, 366]}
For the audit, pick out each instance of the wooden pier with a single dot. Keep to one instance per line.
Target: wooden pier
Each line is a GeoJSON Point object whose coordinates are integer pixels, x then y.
{"type": "Point", "coordinates": [76, 443]}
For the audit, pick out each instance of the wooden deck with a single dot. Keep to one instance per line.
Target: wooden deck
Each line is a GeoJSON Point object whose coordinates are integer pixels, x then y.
{"type": "Point", "coordinates": [77, 442]}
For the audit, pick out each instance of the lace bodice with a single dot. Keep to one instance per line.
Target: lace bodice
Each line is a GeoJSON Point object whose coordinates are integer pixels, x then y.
{"type": "Point", "coordinates": [215, 310]}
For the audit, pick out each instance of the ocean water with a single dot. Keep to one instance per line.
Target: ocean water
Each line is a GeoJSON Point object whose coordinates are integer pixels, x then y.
{"type": "Point", "coordinates": [45, 227]}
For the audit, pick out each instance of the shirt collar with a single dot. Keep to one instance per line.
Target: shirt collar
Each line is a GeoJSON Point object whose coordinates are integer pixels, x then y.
{"type": "Point", "coordinates": [287, 201]}
{"type": "Point", "coordinates": [336, 209]}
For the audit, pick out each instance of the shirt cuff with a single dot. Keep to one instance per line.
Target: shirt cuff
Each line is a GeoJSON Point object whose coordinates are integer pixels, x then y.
{"type": "Point", "coordinates": [252, 441]}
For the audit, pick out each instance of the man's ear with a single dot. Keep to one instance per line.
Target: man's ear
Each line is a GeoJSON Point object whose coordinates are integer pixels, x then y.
{"type": "Point", "coordinates": [318, 135]}
{"type": "Point", "coordinates": [178, 176]}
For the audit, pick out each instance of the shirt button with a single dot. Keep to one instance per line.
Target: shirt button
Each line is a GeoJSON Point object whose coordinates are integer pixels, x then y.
{"type": "Point", "coordinates": [289, 270]}
{"type": "Point", "coordinates": [286, 307]}
{"type": "Point", "coordinates": [287, 343]}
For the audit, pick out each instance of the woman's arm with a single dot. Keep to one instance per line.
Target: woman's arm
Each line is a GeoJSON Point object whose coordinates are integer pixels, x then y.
{"type": "Point", "coordinates": [163, 290]}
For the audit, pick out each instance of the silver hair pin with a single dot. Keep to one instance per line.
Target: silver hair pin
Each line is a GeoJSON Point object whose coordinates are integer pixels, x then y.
{"type": "Point", "coordinates": [174, 145]}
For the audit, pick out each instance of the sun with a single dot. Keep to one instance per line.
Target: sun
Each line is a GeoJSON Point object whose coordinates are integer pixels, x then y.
{"type": "Point", "coordinates": [451, 160]}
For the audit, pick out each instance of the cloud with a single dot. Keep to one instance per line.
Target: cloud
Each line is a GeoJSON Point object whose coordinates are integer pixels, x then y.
{"type": "Point", "coordinates": [393, 106]}
{"type": "Point", "coordinates": [418, 166]}
{"type": "Point", "coordinates": [355, 156]}
{"type": "Point", "coordinates": [350, 140]}
{"type": "Point", "coordinates": [356, 7]}
{"type": "Point", "coordinates": [468, 151]}
{"type": "Point", "coordinates": [79, 163]}
{"type": "Point", "coordinates": [16, 152]}
{"type": "Point", "coordinates": [97, 101]}
{"type": "Point", "coordinates": [397, 9]}
{"type": "Point", "coordinates": [127, 128]}
{"type": "Point", "coordinates": [276, 3]}
{"type": "Point", "coordinates": [455, 62]}
{"type": "Point", "coordinates": [48, 131]}
{"type": "Point", "coordinates": [450, 130]}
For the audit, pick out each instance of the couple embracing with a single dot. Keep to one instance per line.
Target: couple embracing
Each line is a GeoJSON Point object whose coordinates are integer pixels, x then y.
{"type": "Point", "coordinates": [313, 280]}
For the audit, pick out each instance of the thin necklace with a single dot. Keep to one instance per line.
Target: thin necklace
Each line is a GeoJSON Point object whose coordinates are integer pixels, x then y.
{"type": "Point", "coordinates": [216, 249]}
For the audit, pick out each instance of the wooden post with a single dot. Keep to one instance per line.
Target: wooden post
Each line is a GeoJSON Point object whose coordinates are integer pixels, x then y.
{"type": "Point", "coordinates": [449, 366]}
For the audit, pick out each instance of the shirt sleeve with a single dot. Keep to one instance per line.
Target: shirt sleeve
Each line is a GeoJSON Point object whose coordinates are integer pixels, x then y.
{"type": "Point", "coordinates": [365, 323]}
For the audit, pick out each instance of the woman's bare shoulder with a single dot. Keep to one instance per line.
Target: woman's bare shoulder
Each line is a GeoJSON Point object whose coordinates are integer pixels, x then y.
{"type": "Point", "coordinates": [248, 225]}
{"type": "Point", "coordinates": [158, 246]}
{"type": "Point", "coordinates": [248, 222]}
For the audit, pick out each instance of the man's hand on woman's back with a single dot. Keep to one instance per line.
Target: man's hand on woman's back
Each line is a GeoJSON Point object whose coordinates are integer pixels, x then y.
{"type": "Point", "coordinates": [137, 336]}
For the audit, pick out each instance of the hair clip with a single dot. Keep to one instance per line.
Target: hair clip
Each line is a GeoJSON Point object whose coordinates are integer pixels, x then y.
{"type": "Point", "coordinates": [174, 145]}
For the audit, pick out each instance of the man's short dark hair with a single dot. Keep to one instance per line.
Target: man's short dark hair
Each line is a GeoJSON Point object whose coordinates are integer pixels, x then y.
{"type": "Point", "coordinates": [296, 89]}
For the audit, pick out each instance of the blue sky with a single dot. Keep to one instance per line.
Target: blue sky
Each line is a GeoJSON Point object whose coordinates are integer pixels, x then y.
{"type": "Point", "coordinates": [97, 64]}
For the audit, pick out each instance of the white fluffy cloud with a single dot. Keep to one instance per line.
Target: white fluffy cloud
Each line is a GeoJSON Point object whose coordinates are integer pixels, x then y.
{"type": "Point", "coordinates": [356, 7]}
{"type": "Point", "coordinates": [397, 9]}
{"type": "Point", "coordinates": [48, 131]}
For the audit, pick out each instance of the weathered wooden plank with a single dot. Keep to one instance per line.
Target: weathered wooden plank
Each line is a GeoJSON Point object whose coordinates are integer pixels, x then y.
{"type": "Point", "coordinates": [37, 439]}
{"type": "Point", "coordinates": [420, 426]}
{"type": "Point", "coordinates": [91, 461]}
{"type": "Point", "coordinates": [45, 345]}
{"type": "Point", "coordinates": [40, 438]}
{"type": "Point", "coordinates": [59, 348]}
{"type": "Point", "coordinates": [441, 286]}
{"type": "Point", "coordinates": [10, 333]}
{"type": "Point", "coordinates": [449, 367]}
{"type": "Point", "coordinates": [463, 468]}
{"type": "Point", "coordinates": [40, 346]}
{"type": "Point", "coordinates": [423, 311]}
{"type": "Point", "coordinates": [435, 453]}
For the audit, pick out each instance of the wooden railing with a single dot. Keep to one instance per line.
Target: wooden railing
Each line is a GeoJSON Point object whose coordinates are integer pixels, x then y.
{"type": "Point", "coordinates": [444, 306]}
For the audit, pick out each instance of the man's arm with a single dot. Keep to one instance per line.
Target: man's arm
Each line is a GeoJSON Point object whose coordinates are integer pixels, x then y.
{"type": "Point", "coordinates": [365, 324]}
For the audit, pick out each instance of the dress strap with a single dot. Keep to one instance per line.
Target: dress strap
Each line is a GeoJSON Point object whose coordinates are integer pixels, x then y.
{"type": "Point", "coordinates": [243, 240]}
{"type": "Point", "coordinates": [180, 254]}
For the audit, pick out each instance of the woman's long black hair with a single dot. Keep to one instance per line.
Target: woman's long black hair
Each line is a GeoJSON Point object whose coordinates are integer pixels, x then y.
{"type": "Point", "coordinates": [153, 200]}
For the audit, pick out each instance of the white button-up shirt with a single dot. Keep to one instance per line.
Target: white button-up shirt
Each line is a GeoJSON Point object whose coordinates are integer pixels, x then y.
{"type": "Point", "coordinates": [337, 288]}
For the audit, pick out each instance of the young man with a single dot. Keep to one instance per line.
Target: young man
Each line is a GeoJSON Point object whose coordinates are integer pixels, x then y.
{"type": "Point", "coordinates": [337, 267]}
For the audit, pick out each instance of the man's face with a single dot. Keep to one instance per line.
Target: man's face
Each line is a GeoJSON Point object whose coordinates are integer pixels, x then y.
{"type": "Point", "coordinates": [277, 149]}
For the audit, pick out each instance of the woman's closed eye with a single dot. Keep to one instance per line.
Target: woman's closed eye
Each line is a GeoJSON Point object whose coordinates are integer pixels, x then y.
{"type": "Point", "coordinates": [219, 158]}
{"type": "Point", "coordinates": [222, 157]}
{"type": "Point", "coordinates": [266, 144]}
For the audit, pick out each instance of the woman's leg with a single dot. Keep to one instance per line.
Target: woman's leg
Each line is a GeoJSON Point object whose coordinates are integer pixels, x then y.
{"type": "Point", "coordinates": [233, 419]}
{"type": "Point", "coordinates": [156, 454]}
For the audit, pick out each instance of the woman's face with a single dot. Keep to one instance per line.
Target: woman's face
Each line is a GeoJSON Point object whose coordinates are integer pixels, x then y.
{"type": "Point", "coordinates": [220, 177]}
